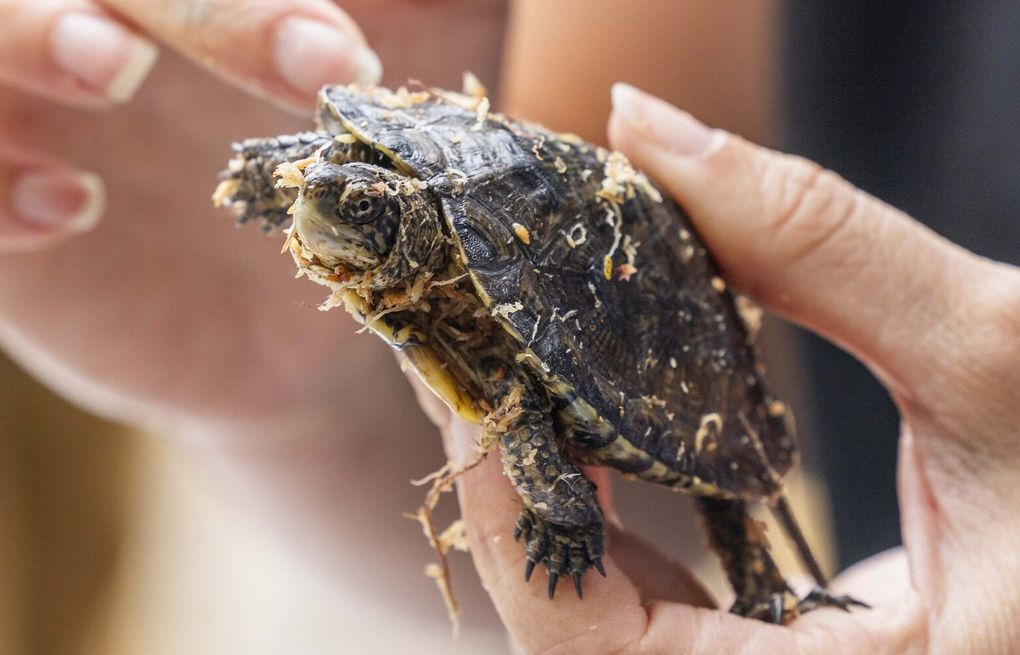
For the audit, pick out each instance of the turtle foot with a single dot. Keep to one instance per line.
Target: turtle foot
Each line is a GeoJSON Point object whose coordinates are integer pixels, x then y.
{"type": "Point", "coordinates": [821, 598]}
{"type": "Point", "coordinates": [562, 549]}
{"type": "Point", "coordinates": [781, 607]}
{"type": "Point", "coordinates": [775, 607]}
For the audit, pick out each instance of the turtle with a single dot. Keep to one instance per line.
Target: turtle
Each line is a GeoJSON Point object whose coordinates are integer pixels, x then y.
{"type": "Point", "coordinates": [539, 284]}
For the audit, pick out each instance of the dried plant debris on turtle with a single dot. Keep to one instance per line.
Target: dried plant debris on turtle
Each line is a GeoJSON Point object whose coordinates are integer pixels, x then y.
{"type": "Point", "coordinates": [543, 287]}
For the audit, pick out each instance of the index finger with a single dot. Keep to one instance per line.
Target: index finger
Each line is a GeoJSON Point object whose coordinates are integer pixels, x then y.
{"type": "Point", "coordinates": [285, 49]}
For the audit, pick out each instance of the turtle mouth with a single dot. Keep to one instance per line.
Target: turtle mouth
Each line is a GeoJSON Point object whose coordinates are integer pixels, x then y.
{"type": "Point", "coordinates": [332, 244]}
{"type": "Point", "coordinates": [322, 232]}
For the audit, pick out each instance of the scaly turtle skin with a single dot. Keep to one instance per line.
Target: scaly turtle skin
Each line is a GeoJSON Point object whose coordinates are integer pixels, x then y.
{"type": "Point", "coordinates": [540, 284]}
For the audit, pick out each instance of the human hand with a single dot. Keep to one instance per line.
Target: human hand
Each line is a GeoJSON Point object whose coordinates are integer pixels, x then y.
{"type": "Point", "coordinates": [156, 309]}
{"type": "Point", "coordinates": [940, 327]}
{"type": "Point", "coordinates": [162, 306]}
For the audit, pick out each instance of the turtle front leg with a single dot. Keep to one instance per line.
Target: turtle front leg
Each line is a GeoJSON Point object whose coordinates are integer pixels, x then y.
{"type": "Point", "coordinates": [247, 185]}
{"type": "Point", "coordinates": [561, 521]}
{"type": "Point", "coordinates": [740, 542]}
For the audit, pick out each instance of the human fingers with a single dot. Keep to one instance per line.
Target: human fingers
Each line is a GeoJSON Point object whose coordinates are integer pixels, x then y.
{"type": "Point", "coordinates": [835, 259]}
{"type": "Point", "coordinates": [655, 576]}
{"type": "Point", "coordinates": [284, 49]}
{"type": "Point", "coordinates": [43, 201]}
{"type": "Point", "coordinates": [940, 325]}
{"type": "Point", "coordinates": [73, 51]}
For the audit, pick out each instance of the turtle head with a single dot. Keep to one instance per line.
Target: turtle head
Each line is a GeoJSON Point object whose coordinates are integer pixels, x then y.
{"type": "Point", "coordinates": [362, 218]}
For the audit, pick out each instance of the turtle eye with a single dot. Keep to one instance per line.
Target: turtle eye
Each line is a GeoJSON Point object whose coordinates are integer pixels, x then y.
{"type": "Point", "coordinates": [361, 209]}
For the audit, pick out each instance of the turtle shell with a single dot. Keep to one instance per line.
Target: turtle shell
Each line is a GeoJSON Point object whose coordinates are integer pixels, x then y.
{"type": "Point", "coordinates": [612, 297]}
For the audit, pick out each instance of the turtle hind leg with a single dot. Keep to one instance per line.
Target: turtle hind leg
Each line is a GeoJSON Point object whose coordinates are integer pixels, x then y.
{"type": "Point", "coordinates": [819, 596]}
{"type": "Point", "coordinates": [560, 522]}
{"type": "Point", "coordinates": [739, 541]}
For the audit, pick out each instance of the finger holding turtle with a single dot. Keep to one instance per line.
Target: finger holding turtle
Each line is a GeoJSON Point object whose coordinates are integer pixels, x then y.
{"type": "Point", "coordinates": [284, 50]}
{"type": "Point", "coordinates": [940, 326]}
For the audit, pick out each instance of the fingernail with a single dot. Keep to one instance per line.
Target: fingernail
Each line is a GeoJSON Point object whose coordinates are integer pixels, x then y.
{"type": "Point", "coordinates": [664, 125]}
{"type": "Point", "coordinates": [104, 55]}
{"type": "Point", "coordinates": [58, 200]}
{"type": "Point", "coordinates": [311, 54]}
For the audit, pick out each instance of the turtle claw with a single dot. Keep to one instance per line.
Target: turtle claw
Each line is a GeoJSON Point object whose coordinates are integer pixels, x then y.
{"type": "Point", "coordinates": [776, 607]}
{"type": "Point", "coordinates": [553, 578]}
{"type": "Point", "coordinates": [523, 526]}
{"type": "Point", "coordinates": [563, 550]}
{"type": "Point", "coordinates": [819, 598]}
{"type": "Point", "coordinates": [770, 608]}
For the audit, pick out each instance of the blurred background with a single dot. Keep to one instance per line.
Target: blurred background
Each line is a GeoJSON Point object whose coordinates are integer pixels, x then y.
{"type": "Point", "coordinates": [115, 541]}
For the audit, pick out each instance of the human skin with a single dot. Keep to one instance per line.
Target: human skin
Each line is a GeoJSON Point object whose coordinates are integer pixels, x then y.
{"type": "Point", "coordinates": [938, 325]}
{"type": "Point", "coordinates": [157, 311]}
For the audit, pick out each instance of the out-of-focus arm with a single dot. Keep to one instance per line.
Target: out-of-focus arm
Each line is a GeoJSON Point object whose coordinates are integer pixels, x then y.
{"type": "Point", "coordinates": [716, 59]}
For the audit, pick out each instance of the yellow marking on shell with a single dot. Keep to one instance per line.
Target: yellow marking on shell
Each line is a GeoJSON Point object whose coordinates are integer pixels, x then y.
{"type": "Point", "coordinates": [522, 233]}
{"type": "Point", "coordinates": [718, 284]}
{"type": "Point", "coordinates": [427, 364]}
{"type": "Point", "coordinates": [607, 267]}
{"type": "Point", "coordinates": [777, 408]}
{"type": "Point", "coordinates": [707, 421]}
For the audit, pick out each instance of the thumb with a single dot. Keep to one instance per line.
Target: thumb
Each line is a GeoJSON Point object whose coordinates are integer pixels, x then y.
{"type": "Point", "coordinates": [811, 246]}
